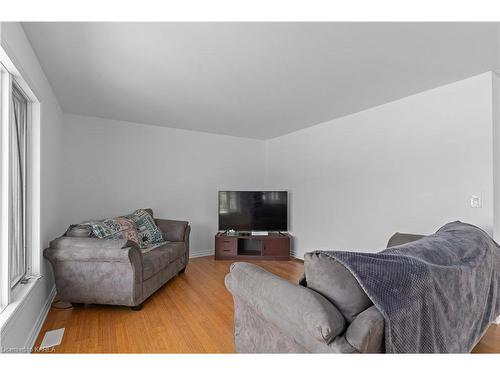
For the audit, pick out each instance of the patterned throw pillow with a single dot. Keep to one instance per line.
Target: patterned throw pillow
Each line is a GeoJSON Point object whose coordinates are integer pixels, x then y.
{"type": "Point", "coordinates": [149, 233]}
{"type": "Point", "coordinates": [119, 228]}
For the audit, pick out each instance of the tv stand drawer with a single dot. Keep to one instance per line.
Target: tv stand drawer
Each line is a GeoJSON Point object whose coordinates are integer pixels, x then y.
{"type": "Point", "coordinates": [225, 246]}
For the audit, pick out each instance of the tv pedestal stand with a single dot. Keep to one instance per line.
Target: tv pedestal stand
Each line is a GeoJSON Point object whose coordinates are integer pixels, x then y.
{"type": "Point", "coordinates": [245, 246]}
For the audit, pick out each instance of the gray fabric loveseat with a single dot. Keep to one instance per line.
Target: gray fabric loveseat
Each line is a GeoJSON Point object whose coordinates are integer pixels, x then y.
{"type": "Point", "coordinates": [273, 315]}
{"type": "Point", "coordinates": [116, 272]}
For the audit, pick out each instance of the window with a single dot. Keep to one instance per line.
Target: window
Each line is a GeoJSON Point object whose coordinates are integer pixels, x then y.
{"type": "Point", "coordinates": [17, 189]}
{"type": "Point", "coordinates": [20, 247]}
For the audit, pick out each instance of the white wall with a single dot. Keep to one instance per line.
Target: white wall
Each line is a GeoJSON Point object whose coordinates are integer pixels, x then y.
{"type": "Point", "coordinates": [408, 166]}
{"type": "Point", "coordinates": [21, 328]}
{"type": "Point", "coordinates": [114, 167]}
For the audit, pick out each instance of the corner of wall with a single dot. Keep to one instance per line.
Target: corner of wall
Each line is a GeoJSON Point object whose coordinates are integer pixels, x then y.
{"type": "Point", "coordinates": [495, 97]}
{"type": "Point", "coordinates": [266, 164]}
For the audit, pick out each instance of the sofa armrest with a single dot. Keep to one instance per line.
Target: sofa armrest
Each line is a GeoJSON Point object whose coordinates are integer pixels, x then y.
{"type": "Point", "coordinates": [93, 270]}
{"type": "Point", "coordinates": [366, 331]}
{"type": "Point", "coordinates": [173, 230]}
{"type": "Point", "coordinates": [92, 250]}
{"type": "Point", "coordinates": [295, 310]}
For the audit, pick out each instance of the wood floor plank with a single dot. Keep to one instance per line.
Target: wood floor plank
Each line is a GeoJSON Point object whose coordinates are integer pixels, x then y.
{"type": "Point", "coordinates": [193, 313]}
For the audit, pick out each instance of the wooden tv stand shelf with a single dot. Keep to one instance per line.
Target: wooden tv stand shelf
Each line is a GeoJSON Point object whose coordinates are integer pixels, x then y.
{"type": "Point", "coordinates": [244, 246]}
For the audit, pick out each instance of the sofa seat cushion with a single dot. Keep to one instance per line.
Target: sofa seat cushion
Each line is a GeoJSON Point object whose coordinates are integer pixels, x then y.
{"type": "Point", "coordinates": [336, 283]}
{"type": "Point", "coordinates": [159, 258]}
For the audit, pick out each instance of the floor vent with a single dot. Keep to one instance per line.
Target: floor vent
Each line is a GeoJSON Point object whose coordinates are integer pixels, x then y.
{"type": "Point", "coordinates": [52, 338]}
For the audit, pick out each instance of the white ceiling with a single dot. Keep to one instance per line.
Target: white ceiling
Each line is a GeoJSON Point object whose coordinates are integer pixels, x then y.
{"type": "Point", "coordinates": [257, 80]}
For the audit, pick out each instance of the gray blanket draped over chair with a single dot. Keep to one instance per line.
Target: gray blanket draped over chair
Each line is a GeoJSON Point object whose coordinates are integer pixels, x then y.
{"type": "Point", "coordinates": [438, 294]}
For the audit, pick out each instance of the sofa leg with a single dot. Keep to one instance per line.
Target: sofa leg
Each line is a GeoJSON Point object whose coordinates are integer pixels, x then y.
{"type": "Point", "coordinates": [182, 271]}
{"type": "Point", "coordinates": [137, 308]}
{"type": "Point", "coordinates": [77, 304]}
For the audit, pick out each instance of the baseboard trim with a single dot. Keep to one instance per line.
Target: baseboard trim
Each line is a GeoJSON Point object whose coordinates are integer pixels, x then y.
{"type": "Point", "coordinates": [294, 255]}
{"type": "Point", "coordinates": [497, 320]}
{"type": "Point", "coordinates": [200, 254]}
{"type": "Point", "coordinates": [41, 319]}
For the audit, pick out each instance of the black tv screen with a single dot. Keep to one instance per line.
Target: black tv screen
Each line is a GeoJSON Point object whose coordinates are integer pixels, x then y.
{"type": "Point", "coordinates": [253, 210]}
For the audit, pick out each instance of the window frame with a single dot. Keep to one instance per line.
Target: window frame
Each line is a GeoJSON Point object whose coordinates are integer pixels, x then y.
{"type": "Point", "coordinates": [26, 210]}
{"type": "Point", "coordinates": [5, 83]}
{"type": "Point", "coordinates": [10, 76]}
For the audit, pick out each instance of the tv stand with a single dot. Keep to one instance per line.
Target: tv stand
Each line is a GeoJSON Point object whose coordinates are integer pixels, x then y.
{"type": "Point", "coordinates": [245, 246]}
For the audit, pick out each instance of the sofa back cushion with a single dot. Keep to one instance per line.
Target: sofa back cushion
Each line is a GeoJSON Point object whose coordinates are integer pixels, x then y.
{"type": "Point", "coordinates": [336, 283]}
{"type": "Point", "coordinates": [402, 238]}
{"type": "Point", "coordinates": [79, 231]}
{"type": "Point", "coordinates": [173, 230]}
{"type": "Point", "coordinates": [149, 211]}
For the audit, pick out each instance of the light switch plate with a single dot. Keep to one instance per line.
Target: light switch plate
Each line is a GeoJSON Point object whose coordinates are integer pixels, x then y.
{"type": "Point", "coordinates": [476, 201]}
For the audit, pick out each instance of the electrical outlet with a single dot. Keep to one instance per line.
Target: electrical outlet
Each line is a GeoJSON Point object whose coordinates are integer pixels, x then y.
{"type": "Point", "coordinates": [475, 201]}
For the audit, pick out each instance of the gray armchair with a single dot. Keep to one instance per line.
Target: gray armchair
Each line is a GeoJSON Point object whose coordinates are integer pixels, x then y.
{"type": "Point", "coordinates": [330, 313]}
{"type": "Point", "coordinates": [116, 272]}
{"type": "Point", "coordinates": [273, 315]}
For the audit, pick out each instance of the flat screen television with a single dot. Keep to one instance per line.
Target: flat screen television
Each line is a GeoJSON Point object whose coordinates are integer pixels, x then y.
{"type": "Point", "coordinates": [253, 210]}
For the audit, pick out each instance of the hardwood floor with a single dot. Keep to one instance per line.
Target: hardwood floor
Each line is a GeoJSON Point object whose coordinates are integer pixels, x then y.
{"type": "Point", "coordinates": [490, 343]}
{"type": "Point", "coordinates": [193, 313]}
